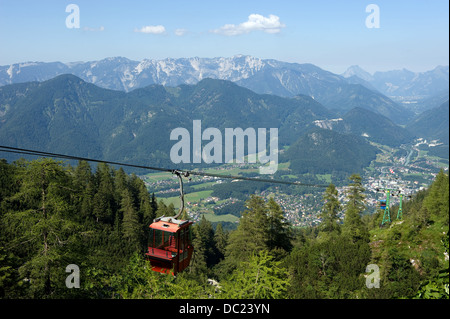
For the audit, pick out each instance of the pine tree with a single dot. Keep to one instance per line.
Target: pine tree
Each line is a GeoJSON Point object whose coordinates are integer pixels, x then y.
{"type": "Point", "coordinates": [42, 226]}
{"type": "Point", "coordinates": [198, 267]}
{"type": "Point", "coordinates": [221, 240]}
{"type": "Point", "coordinates": [82, 175]}
{"type": "Point", "coordinates": [131, 228]}
{"type": "Point", "coordinates": [7, 184]}
{"type": "Point", "coordinates": [104, 204]}
{"type": "Point", "coordinates": [120, 184]}
{"type": "Point", "coordinates": [331, 208]}
{"type": "Point", "coordinates": [261, 277]}
{"type": "Point", "coordinates": [154, 203]}
{"type": "Point", "coordinates": [206, 235]}
{"type": "Point", "coordinates": [84, 186]}
{"type": "Point", "coordinates": [102, 207]}
{"type": "Point", "coordinates": [87, 200]}
{"type": "Point", "coordinates": [353, 225]}
{"type": "Point", "coordinates": [10, 284]}
{"type": "Point", "coordinates": [279, 234]}
{"type": "Point", "coordinates": [143, 203]}
{"type": "Point", "coordinates": [250, 236]}
{"type": "Point", "coordinates": [165, 210]}
{"type": "Point", "coordinates": [356, 193]}
{"type": "Point", "coordinates": [261, 227]}
{"type": "Point", "coordinates": [436, 202]}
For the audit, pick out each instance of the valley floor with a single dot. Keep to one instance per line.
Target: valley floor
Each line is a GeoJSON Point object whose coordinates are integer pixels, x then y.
{"type": "Point", "coordinates": [408, 169]}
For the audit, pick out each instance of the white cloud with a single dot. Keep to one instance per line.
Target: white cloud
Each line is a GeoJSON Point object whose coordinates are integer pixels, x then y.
{"type": "Point", "coordinates": [255, 22]}
{"type": "Point", "coordinates": [181, 32]}
{"type": "Point", "coordinates": [102, 28]}
{"type": "Point", "coordinates": [152, 29]}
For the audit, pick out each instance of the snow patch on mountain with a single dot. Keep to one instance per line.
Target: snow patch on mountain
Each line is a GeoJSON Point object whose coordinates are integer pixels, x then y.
{"type": "Point", "coordinates": [10, 71]}
{"type": "Point", "coordinates": [327, 124]}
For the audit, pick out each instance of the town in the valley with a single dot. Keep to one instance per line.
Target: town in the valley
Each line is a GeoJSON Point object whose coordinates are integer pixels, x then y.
{"type": "Point", "coordinates": [405, 171]}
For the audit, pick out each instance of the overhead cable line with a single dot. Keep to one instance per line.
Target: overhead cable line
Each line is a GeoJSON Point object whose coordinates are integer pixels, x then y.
{"type": "Point", "coordinates": [16, 150]}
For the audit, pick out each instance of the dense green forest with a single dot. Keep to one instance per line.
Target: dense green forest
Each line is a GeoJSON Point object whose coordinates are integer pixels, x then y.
{"type": "Point", "coordinates": [329, 152]}
{"type": "Point", "coordinates": [53, 215]}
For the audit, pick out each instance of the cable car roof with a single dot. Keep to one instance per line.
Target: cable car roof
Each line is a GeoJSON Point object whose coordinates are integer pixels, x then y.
{"type": "Point", "coordinates": [169, 224]}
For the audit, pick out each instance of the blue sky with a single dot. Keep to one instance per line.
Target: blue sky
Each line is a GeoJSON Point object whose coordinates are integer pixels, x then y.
{"type": "Point", "coordinates": [333, 35]}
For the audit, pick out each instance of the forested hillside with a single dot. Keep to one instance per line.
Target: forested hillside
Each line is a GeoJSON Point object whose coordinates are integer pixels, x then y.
{"type": "Point", "coordinates": [432, 124]}
{"type": "Point", "coordinates": [53, 215]}
{"type": "Point", "coordinates": [322, 151]}
{"type": "Point", "coordinates": [69, 116]}
{"type": "Point", "coordinates": [362, 122]}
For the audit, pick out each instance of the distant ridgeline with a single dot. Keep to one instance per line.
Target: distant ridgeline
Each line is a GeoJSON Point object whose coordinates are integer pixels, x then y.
{"type": "Point", "coordinates": [67, 115]}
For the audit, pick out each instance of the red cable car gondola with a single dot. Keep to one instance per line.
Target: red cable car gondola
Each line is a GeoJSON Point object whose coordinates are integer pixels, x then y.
{"type": "Point", "coordinates": [170, 249]}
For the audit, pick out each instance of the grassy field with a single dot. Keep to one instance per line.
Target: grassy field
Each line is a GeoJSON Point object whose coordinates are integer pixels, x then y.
{"type": "Point", "coordinates": [155, 177]}
{"type": "Point", "coordinates": [207, 185]}
{"type": "Point", "coordinates": [191, 197]}
{"type": "Point", "coordinates": [222, 218]}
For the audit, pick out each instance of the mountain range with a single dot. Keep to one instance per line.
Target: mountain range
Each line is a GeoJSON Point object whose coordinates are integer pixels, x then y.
{"type": "Point", "coordinates": [70, 115]}
{"type": "Point", "coordinates": [263, 76]}
{"type": "Point", "coordinates": [402, 83]}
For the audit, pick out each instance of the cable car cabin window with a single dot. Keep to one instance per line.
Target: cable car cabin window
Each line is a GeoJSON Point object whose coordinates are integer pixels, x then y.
{"type": "Point", "coordinates": [183, 239]}
{"type": "Point", "coordinates": [183, 255]}
{"type": "Point", "coordinates": [163, 240]}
